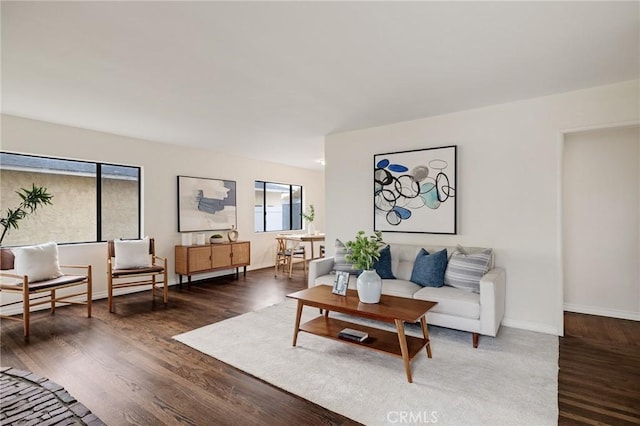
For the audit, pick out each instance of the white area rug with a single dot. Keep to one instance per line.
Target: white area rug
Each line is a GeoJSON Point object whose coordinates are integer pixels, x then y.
{"type": "Point", "coordinates": [508, 380]}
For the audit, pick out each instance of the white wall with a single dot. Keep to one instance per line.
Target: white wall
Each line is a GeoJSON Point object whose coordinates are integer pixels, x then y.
{"type": "Point", "coordinates": [161, 163]}
{"type": "Point", "coordinates": [508, 188]}
{"type": "Point", "coordinates": [601, 226]}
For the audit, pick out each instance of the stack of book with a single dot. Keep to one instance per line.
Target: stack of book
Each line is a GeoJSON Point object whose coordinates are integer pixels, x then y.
{"type": "Point", "coordinates": [353, 335]}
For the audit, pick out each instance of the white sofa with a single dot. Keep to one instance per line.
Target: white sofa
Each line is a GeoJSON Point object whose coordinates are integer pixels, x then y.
{"type": "Point", "coordinates": [458, 309]}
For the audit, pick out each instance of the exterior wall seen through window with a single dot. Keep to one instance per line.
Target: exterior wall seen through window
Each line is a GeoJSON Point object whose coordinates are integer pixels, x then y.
{"type": "Point", "coordinates": [278, 206]}
{"type": "Point", "coordinates": [73, 216]}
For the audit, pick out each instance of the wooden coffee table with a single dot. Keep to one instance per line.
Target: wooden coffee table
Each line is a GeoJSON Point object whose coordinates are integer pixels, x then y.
{"type": "Point", "coordinates": [396, 310]}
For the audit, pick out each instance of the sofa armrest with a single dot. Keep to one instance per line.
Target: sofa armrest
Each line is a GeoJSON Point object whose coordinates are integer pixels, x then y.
{"type": "Point", "coordinates": [492, 299]}
{"type": "Point", "coordinates": [319, 267]}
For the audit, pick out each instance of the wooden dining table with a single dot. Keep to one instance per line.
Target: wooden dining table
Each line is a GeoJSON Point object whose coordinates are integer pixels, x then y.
{"type": "Point", "coordinates": [306, 238]}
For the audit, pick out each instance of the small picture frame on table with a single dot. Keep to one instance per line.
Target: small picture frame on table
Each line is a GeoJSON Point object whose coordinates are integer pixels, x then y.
{"type": "Point", "coordinates": [341, 283]}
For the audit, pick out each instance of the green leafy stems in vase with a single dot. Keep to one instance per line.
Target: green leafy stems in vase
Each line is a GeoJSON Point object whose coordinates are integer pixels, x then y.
{"type": "Point", "coordinates": [365, 250]}
{"type": "Point", "coordinates": [310, 214]}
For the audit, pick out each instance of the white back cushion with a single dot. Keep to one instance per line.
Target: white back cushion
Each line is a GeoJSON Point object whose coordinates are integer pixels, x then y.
{"type": "Point", "coordinates": [402, 259]}
{"type": "Point", "coordinates": [403, 256]}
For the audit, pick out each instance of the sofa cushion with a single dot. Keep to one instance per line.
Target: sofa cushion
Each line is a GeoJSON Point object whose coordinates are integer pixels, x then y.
{"type": "Point", "coordinates": [399, 288]}
{"type": "Point", "coordinates": [451, 301]}
{"type": "Point", "coordinates": [464, 271]}
{"type": "Point", "coordinates": [428, 269]}
{"type": "Point", "coordinates": [383, 264]}
{"type": "Point", "coordinates": [402, 260]}
{"type": "Point", "coordinates": [403, 256]}
{"type": "Point", "coordinates": [329, 278]}
{"type": "Point", "coordinates": [340, 259]}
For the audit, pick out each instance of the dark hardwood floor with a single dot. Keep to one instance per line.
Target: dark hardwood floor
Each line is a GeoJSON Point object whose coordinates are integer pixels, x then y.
{"type": "Point", "coordinates": [126, 368]}
{"type": "Point", "coordinates": [599, 377]}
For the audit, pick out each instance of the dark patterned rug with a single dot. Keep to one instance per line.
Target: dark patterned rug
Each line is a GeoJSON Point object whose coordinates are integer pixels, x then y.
{"type": "Point", "coordinates": [27, 399]}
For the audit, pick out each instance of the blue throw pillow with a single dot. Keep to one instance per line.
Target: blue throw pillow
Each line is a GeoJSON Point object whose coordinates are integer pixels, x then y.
{"type": "Point", "coordinates": [428, 269]}
{"type": "Point", "coordinates": [383, 264]}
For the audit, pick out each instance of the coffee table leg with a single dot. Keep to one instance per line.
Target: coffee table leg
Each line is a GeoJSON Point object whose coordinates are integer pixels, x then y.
{"type": "Point", "coordinates": [297, 328]}
{"type": "Point", "coordinates": [403, 347]}
{"type": "Point", "coordinates": [425, 333]}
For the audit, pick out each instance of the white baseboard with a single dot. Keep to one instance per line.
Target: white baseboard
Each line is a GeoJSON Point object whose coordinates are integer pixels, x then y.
{"type": "Point", "coordinates": [531, 326]}
{"type": "Point", "coordinates": [603, 312]}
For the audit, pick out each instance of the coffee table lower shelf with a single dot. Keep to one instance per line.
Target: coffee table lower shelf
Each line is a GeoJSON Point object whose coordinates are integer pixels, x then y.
{"type": "Point", "coordinates": [379, 340]}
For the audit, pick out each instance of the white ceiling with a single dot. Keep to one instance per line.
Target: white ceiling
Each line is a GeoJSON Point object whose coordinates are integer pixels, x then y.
{"type": "Point", "coordinates": [269, 80]}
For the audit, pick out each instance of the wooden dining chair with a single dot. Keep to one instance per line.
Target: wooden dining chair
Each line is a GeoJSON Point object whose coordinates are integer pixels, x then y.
{"type": "Point", "coordinates": [286, 251]}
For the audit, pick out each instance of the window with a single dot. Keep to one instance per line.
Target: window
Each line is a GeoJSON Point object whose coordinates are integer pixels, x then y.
{"type": "Point", "coordinates": [91, 201]}
{"type": "Point", "coordinates": [277, 207]}
{"type": "Point", "coordinates": [120, 204]}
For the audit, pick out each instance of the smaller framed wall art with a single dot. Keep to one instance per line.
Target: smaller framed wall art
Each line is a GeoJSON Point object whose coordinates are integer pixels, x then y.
{"type": "Point", "coordinates": [415, 191]}
{"type": "Point", "coordinates": [206, 204]}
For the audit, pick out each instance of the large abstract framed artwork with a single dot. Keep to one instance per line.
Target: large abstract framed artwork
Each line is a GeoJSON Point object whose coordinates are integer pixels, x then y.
{"type": "Point", "coordinates": [415, 191]}
{"type": "Point", "coordinates": [206, 204]}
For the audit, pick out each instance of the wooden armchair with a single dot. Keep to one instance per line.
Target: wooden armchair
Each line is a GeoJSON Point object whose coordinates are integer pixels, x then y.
{"type": "Point", "coordinates": [124, 271]}
{"type": "Point", "coordinates": [35, 293]}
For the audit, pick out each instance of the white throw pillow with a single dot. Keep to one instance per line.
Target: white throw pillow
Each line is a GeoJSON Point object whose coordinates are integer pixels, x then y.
{"type": "Point", "coordinates": [38, 262]}
{"type": "Point", "coordinates": [132, 254]}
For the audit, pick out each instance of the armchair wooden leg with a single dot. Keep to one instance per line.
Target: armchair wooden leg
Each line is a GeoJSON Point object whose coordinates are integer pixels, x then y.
{"type": "Point", "coordinates": [166, 288]}
{"type": "Point", "coordinates": [110, 297]}
{"type": "Point", "coordinates": [475, 340]}
{"type": "Point", "coordinates": [25, 310]}
{"type": "Point", "coordinates": [53, 301]}
{"type": "Point", "coordinates": [89, 293]}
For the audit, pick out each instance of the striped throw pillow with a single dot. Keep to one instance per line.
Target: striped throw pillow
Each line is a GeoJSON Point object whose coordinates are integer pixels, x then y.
{"type": "Point", "coordinates": [464, 271]}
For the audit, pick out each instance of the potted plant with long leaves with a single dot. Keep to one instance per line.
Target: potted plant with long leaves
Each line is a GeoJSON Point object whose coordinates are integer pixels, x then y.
{"type": "Point", "coordinates": [32, 198]}
{"type": "Point", "coordinates": [363, 252]}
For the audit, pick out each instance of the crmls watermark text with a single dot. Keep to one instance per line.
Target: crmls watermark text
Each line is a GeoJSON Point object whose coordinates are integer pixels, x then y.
{"type": "Point", "coordinates": [408, 417]}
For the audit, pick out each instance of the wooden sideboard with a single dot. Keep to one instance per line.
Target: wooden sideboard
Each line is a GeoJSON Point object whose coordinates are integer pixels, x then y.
{"type": "Point", "coordinates": [199, 259]}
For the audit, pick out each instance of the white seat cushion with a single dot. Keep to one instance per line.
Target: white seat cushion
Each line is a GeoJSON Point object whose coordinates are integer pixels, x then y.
{"type": "Point", "coordinates": [451, 301]}
{"type": "Point", "coordinates": [400, 288]}
{"type": "Point", "coordinates": [326, 279]}
{"type": "Point", "coordinates": [329, 278]}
